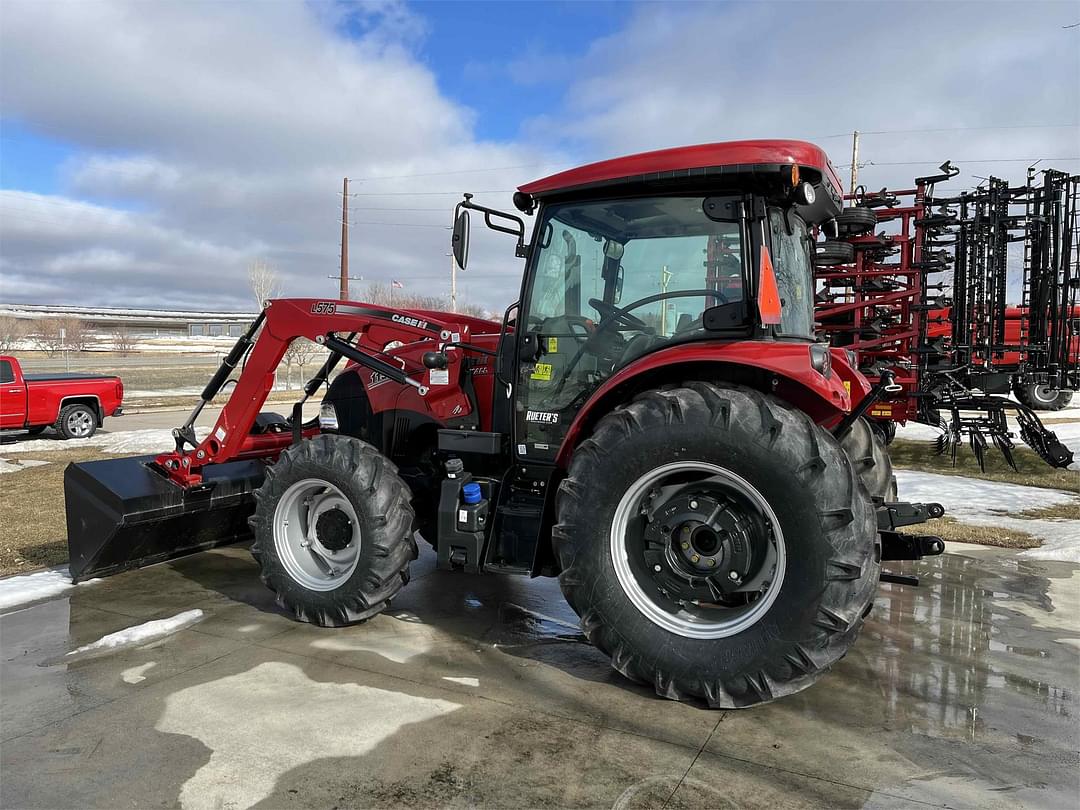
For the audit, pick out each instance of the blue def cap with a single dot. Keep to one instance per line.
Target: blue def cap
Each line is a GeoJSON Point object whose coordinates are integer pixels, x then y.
{"type": "Point", "coordinates": [470, 493]}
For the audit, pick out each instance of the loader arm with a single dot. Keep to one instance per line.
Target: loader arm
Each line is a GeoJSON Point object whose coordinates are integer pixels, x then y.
{"type": "Point", "coordinates": [368, 328]}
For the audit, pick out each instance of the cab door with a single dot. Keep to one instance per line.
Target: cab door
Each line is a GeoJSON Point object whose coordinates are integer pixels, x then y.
{"type": "Point", "coordinates": [557, 365]}
{"type": "Point", "coordinates": [12, 396]}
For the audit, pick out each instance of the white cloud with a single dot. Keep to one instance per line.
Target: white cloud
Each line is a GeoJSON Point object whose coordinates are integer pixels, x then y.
{"type": "Point", "coordinates": [210, 134]}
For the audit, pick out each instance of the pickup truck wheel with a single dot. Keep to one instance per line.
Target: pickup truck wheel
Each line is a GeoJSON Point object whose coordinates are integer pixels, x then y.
{"type": "Point", "coordinates": [717, 544]}
{"type": "Point", "coordinates": [333, 531]}
{"type": "Point", "coordinates": [76, 422]}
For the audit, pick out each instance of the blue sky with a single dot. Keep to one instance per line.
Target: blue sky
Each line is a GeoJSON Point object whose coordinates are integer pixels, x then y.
{"type": "Point", "coordinates": [151, 151]}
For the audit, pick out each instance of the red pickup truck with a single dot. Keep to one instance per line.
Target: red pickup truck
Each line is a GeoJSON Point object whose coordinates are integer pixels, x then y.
{"type": "Point", "coordinates": [75, 404]}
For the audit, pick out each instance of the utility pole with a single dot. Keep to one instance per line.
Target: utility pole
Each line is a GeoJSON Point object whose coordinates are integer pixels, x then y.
{"type": "Point", "coordinates": [453, 283]}
{"type": "Point", "coordinates": [854, 160]}
{"type": "Point", "coordinates": [343, 293]}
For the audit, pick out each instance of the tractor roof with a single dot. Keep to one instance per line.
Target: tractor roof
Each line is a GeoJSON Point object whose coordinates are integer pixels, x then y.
{"type": "Point", "coordinates": [731, 157]}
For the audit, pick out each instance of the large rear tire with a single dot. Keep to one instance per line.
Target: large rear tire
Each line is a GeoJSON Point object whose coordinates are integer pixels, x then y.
{"type": "Point", "coordinates": [667, 480]}
{"type": "Point", "coordinates": [333, 531]}
{"type": "Point", "coordinates": [870, 457]}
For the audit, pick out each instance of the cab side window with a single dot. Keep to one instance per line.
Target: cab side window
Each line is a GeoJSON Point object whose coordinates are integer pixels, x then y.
{"type": "Point", "coordinates": [7, 373]}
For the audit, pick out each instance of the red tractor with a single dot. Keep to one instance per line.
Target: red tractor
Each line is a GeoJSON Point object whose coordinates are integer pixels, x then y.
{"type": "Point", "coordinates": [652, 421]}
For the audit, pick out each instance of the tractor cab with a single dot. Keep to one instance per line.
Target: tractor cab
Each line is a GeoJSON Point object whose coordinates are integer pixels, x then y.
{"type": "Point", "coordinates": [647, 253]}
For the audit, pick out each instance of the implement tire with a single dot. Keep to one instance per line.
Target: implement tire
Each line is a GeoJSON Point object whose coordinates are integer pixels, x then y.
{"type": "Point", "coordinates": [870, 458]}
{"type": "Point", "coordinates": [333, 531]}
{"type": "Point", "coordinates": [783, 478]}
{"type": "Point", "coordinates": [1042, 397]}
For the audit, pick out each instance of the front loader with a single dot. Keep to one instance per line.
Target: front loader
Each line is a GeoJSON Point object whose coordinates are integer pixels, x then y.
{"type": "Point", "coordinates": [652, 421]}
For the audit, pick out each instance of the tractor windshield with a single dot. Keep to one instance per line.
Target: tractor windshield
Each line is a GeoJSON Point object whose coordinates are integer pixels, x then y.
{"type": "Point", "coordinates": [660, 259]}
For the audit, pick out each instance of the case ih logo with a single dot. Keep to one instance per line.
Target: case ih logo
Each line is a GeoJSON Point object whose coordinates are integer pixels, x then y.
{"type": "Point", "coordinates": [542, 417]}
{"type": "Point", "coordinates": [405, 319]}
{"type": "Point", "coordinates": [324, 308]}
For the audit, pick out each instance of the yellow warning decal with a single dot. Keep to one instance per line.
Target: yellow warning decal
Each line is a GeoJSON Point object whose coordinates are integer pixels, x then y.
{"type": "Point", "coordinates": [542, 372]}
{"type": "Point", "coordinates": [881, 411]}
{"type": "Point", "coordinates": [553, 345]}
{"type": "Point", "coordinates": [847, 386]}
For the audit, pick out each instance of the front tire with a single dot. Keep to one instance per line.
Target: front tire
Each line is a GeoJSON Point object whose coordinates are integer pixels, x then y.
{"type": "Point", "coordinates": [781, 487]}
{"type": "Point", "coordinates": [333, 531]}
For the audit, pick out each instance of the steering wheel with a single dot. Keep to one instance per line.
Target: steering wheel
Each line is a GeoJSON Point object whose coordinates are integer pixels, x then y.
{"type": "Point", "coordinates": [610, 311]}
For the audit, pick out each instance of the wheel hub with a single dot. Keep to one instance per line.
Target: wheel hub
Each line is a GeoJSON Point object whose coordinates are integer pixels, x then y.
{"type": "Point", "coordinates": [697, 549]}
{"type": "Point", "coordinates": [705, 537]}
{"type": "Point", "coordinates": [334, 529]}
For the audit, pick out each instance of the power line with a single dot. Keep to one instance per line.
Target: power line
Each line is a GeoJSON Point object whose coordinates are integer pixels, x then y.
{"type": "Point", "coordinates": [455, 171]}
{"type": "Point", "coordinates": [944, 129]}
{"type": "Point", "coordinates": [965, 160]}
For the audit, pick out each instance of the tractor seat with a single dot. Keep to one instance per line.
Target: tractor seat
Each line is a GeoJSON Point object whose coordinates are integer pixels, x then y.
{"type": "Point", "coordinates": [636, 347]}
{"type": "Point", "coordinates": [270, 422]}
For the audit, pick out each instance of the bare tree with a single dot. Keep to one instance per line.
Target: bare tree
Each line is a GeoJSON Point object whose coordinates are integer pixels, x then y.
{"type": "Point", "coordinates": [124, 341]}
{"type": "Point", "coordinates": [13, 331]}
{"type": "Point", "coordinates": [300, 354]}
{"type": "Point", "coordinates": [48, 335]}
{"type": "Point", "coordinates": [77, 337]}
{"type": "Point", "coordinates": [264, 280]}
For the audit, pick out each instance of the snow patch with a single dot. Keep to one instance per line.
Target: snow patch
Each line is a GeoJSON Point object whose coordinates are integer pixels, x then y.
{"type": "Point", "coordinates": [136, 674]}
{"type": "Point", "coordinates": [983, 503]}
{"type": "Point", "coordinates": [9, 466]}
{"type": "Point", "coordinates": [462, 681]}
{"type": "Point", "coordinates": [124, 442]}
{"type": "Point", "coordinates": [139, 634]}
{"type": "Point", "coordinates": [273, 719]}
{"type": "Point", "coordinates": [22, 589]}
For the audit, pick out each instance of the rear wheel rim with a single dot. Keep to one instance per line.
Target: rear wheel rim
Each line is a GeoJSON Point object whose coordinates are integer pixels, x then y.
{"type": "Point", "coordinates": [657, 569]}
{"type": "Point", "coordinates": [79, 423]}
{"type": "Point", "coordinates": [316, 534]}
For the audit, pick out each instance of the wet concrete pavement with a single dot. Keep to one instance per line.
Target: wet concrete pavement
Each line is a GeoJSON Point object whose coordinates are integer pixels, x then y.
{"type": "Point", "coordinates": [479, 691]}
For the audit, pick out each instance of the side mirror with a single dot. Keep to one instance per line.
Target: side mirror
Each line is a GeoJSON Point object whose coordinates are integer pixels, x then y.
{"type": "Point", "coordinates": [459, 242]}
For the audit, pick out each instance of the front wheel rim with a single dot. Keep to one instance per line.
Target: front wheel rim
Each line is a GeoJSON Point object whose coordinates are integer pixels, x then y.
{"type": "Point", "coordinates": [318, 549]}
{"type": "Point", "coordinates": [79, 423]}
{"type": "Point", "coordinates": [664, 574]}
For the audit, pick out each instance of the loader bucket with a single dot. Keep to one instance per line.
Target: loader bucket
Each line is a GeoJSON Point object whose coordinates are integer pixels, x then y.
{"type": "Point", "coordinates": [123, 514]}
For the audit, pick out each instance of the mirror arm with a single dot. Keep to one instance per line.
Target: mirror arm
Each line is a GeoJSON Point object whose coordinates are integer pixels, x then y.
{"type": "Point", "coordinates": [488, 213]}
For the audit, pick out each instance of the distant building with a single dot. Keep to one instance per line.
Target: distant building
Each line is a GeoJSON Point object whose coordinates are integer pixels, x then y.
{"type": "Point", "coordinates": [142, 323]}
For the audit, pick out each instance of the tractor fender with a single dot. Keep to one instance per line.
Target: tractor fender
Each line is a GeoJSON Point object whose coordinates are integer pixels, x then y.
{"type": "Point", "coordinates": [779, 367]}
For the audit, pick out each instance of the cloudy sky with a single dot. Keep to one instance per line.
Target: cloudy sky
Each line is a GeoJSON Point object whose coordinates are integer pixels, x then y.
{"type": "Point", "coordinates": [149, 151]}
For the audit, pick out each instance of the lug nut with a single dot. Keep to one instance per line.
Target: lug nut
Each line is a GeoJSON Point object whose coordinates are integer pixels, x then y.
{"type": "Point", "coordinates": [695, 558]}
{"type": "Point", "coordinates": [657, 568]}
{"type": "Point", "coordinates": [733, 576]}
{"type": "Point", "coordinates": [685, 545]}
{"type": "Point", "coordinates": [693, 504]}
{"type": "Point", "coordinates": [712, 562]}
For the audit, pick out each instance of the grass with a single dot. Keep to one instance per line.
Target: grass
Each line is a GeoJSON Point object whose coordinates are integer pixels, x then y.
{"type": "Point", "coordinates": [950, 529]}
{"type": "Point", "coordinates": [32, 511]}
{"type": "Point", "coordinates": [1031, 470]}
{"type": "Point", "coordinates": [1070, 510]}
